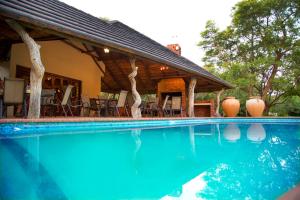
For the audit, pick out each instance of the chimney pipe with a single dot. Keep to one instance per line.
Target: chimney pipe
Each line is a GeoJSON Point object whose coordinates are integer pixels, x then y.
{"type": "Point", "coordinates": [175, 48]}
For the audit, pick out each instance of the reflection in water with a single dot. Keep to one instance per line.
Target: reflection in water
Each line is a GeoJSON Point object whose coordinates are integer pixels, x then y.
{"type": "Point", "coordinates": [192, 139]}
{"type": "Point", "coordinates": [232, 132]}
{"type": "Point", "coordinates": [256, 133]}
{"type": "Point", "coordinates": [136, 133]}
{"type": "Point", "coordinates": [219, 133]}
{"type": "Point", "coordinates": [190, 189]}
{"type": "Point", "coordinates": [33, 147]}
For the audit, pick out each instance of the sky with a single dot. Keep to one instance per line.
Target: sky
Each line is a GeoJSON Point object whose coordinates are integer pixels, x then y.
{"type": "Point", "coordinates": [165, 21]}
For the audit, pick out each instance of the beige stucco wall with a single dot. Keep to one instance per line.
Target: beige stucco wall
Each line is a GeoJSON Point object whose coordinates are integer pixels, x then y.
{"type": "Point", "coordinates": [59, 58]}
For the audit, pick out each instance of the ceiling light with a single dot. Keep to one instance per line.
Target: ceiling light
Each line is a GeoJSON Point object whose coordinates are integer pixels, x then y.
{"type": "Point", "coordinates": [106, 50]}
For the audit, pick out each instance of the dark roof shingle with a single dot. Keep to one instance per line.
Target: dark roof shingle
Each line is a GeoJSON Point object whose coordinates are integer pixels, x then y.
{"type": "Point", "coordinates": [53, 14]}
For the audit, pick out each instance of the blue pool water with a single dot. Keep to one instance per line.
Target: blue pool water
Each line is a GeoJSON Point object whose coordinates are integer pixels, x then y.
{"type": "Point", "coordinates": [179, 159]}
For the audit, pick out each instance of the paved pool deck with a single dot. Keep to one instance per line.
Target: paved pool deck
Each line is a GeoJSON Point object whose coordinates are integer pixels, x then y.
{"type": "Point", "coordinates": [111, 119]}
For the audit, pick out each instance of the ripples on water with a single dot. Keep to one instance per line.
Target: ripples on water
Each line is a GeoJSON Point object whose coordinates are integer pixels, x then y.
{"type": "Point", "coordinates": [212, 161]}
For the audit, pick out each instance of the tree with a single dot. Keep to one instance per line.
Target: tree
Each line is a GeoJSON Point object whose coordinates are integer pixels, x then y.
{"type": "Point", "coordinates": [259, 51]}
{"type": "Point", "coordinates": [37, 69]}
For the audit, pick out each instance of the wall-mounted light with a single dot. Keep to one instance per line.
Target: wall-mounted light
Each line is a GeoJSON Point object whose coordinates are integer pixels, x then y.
{"type": "Point", "coordinates": [106, 50]}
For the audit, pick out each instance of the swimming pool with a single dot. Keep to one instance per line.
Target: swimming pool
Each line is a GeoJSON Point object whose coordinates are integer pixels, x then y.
{"type": "Point", "coordinates": [167, 159]}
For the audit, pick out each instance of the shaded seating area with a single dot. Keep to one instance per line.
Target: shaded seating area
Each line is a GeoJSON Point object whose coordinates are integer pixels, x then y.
{"type": "Point", "coordinates": [59, 102]}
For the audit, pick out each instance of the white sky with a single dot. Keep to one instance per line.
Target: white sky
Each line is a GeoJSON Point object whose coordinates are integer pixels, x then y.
{"type": "Point", "coordinates": [166, 21]}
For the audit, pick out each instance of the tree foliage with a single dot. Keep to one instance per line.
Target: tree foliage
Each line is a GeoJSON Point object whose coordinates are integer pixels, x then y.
{"type": "Point", "coordinates": [259, 51]}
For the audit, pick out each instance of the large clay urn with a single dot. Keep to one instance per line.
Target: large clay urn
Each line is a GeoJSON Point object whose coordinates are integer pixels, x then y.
{"type": "Point", "coordinates": [231, 106]}
{"type": "Point", "coordinates": [255, 106]}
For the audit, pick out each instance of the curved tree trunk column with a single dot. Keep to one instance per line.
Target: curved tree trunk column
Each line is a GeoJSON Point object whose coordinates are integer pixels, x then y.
{"type": "Point", "coordinates": [192, 85]}
{"type": "Point", "coordinates": [37, 70]}
{"type": "Point", "coordinates": [135, 110]}
{"type": "Point", "coordinates": [218, 102]}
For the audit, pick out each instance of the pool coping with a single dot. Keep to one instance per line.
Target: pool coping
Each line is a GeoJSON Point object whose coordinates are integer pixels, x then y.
{"type": "Point", "coordinates": [118, 119]}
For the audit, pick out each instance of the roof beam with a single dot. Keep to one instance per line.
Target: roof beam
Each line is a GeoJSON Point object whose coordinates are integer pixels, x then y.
{"type": "Point", "coordinates": [80, 49]}
{"type": "Point", "coordinates": [110, 73]}
{"type": "Point", "coordinates": [95, 60]}
{"type": "Point", "coordinates": [121, 71]}
{"type": "Point", "coordinates": [116, 80]}
{"type": "Point", "coordinates": [166, 77]}
{"type": "Point", "coordinates": [148, 75]}
{"type": "Point", "coordinates": [106, 84]}
{"type": "Point", "coordinates": [92, 56]}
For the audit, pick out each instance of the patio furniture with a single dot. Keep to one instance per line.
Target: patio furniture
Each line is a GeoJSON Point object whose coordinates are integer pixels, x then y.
{"type": "Point", "coordinates": [85, 106]}
{"type": "Point", "coordinates": [103, 104]}
{"type": "Point", "coordinates": [116, 105]}
{"type": "Point", "coordinates": [164, 107]}
{"type": "Point", "coordinates": [176, 105]}
{"type": "Point", "coordinates": [66, 103]}
{"type": "Point", "coordinates": [94, 106]}
{"type": "Point", "coordinates": [144, 108]}
{"type": "Point", "coordinates": [47, 99]}
{"type": "Point", "coordinates": [153, 108]}
{"type": "Point", "coordinates": [99, 106]}
{"type": "Point", "coordinates": [13, 94]}
{"type": "Point", "coordinates": [111, 104]}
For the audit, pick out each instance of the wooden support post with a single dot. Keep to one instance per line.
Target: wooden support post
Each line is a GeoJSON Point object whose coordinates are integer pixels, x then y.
{"type": "Point", "coordinates": [135, 110]}
{"type": "Point", "coordinates": [192, 85]}
{"type": "Point", "coordinates": [37, 69]}
{"type": "Point", "coordinates": [218, 102]}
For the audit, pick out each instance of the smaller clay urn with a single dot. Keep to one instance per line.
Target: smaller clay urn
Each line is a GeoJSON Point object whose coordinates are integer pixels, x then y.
{"type": "Point", "coordinates": [231, 106]}
{"type": "Point", "coordinates": [255, 106]}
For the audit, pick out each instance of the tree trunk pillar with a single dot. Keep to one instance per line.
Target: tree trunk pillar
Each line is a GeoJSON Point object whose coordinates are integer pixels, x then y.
{"type": "Point", "coordinates": [135, 110]}
{"type": "Point", "coordinates": [37, 69]}
{"type": "Point", "coordinates": [191, 97]}
{"type": "Point", "coordinates": [218, 102]}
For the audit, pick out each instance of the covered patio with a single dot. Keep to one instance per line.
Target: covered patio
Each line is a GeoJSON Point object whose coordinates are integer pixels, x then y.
{"type": "Point", "coordinates": [95, 57]}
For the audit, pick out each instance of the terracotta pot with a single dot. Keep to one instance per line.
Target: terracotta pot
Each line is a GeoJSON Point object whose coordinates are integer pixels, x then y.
{"type": "Point", "coordinates": [231, 106]}
{"type": "Point", "coordinates": [232, 132]}
{"type": "Point", "coordinates": [255, 106]}
{"type": "Point", "coordinates": [256, 133]}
